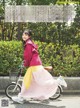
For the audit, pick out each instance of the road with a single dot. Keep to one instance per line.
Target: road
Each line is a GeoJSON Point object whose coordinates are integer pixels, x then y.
{"type": "Point", "coordinates": [66, 101]}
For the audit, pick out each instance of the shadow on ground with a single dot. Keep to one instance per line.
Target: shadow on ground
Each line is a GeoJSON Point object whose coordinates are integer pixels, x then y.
{"type": "Point", "coordinates": [36, 105]}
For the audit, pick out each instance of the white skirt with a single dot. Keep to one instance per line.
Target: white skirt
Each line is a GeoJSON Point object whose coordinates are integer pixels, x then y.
{"type": "Point", "coordinates": [42, 85]}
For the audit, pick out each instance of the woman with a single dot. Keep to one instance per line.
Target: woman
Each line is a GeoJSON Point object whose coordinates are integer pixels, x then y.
{"type": "Point", "coordinates": [37, 82]}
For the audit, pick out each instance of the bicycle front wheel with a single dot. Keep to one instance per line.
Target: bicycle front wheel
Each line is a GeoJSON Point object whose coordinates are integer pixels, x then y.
{"type": "Point", "coordinates": [57, 94]}
{"type": "Point", "coordinates": [12, 90]}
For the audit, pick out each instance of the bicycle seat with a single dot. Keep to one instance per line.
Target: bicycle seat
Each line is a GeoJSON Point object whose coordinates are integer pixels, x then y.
{"type": "Point", "coordinates": [49, 68]}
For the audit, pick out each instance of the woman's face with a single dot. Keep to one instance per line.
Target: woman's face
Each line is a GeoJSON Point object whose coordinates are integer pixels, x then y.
{"type": "Point", "coordinates": [25, 37]}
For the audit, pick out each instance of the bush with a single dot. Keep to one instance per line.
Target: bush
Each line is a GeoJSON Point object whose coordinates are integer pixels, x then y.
{"type": "Point", "coordinates": [64, 60]}
{"type": "Point", "coordinates": [10, 56]}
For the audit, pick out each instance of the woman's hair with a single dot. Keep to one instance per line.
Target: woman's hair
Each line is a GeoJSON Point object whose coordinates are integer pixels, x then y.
{"type": "Point", "coordinates": [28, 32]}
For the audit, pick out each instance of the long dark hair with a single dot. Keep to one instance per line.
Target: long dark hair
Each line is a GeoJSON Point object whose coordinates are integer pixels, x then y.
{"type": "Point", "coordinates": [29, 33]}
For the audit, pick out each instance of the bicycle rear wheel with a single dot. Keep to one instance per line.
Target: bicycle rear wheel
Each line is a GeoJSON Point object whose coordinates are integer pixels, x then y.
{"type": "Point", "coordinates": [57, 94]}
{"type": "Point", "coordinates": [11, 91]}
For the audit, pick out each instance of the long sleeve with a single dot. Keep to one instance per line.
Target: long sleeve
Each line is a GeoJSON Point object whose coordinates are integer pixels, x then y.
{"type": "Point", "coordinates": [27, 55]}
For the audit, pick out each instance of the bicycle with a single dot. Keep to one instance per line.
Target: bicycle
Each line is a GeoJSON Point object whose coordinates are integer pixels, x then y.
{"type": "Point", "coordinates": [15, 87]}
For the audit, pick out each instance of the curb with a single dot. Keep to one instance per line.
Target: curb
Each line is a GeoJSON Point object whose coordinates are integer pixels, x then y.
{"type": "Point", "coordinates": [72, 82]}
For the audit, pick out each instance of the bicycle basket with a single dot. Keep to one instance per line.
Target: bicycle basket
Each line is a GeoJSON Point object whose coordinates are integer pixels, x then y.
{"type": "Point", "coordinates": [13, 76]}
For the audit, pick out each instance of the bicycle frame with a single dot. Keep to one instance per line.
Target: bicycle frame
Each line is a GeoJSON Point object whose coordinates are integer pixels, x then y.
{"type": "Point", "coordinates": [17, 83]}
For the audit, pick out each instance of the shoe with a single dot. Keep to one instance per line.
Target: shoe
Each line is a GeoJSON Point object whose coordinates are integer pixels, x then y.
{"type": "Point", "coordinates": [18, 99]}
{"type": "Point", "coordinates": [61, 81]}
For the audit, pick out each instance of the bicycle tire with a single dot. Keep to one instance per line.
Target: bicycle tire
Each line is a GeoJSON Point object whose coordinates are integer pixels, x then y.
{"type": "Point", "coordinates": [8, 91]}
{"type": "Point", "coordinates": [57, 94]}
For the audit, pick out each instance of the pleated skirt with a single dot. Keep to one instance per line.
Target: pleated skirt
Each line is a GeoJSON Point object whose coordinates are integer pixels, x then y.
{"type": "Point", "coordinates": [38, 83]}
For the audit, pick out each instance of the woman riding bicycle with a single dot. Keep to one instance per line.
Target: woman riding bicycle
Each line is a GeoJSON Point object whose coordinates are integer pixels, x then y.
{"type": "Point", "coordinates": [37, 82]}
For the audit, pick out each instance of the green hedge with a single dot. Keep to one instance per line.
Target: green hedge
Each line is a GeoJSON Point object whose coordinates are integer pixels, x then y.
{"type": "Point", "coordinates": [65, 60]}
{"type": "Point", "coordinates": [10, 56]}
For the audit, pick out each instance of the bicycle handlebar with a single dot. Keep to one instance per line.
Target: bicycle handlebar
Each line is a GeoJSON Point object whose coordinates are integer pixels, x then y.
{"type": "Point", "coordinates": [22, 65]}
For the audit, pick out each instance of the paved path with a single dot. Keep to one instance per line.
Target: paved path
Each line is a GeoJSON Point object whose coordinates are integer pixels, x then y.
{"type": "Point", "coordinates": [67, 101]}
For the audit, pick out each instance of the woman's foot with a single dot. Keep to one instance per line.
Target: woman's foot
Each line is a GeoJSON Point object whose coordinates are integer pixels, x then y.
{"type": "Point", "coordinates": [18, 99]}
{"type": "Point", "coordinates": [61, 81]}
